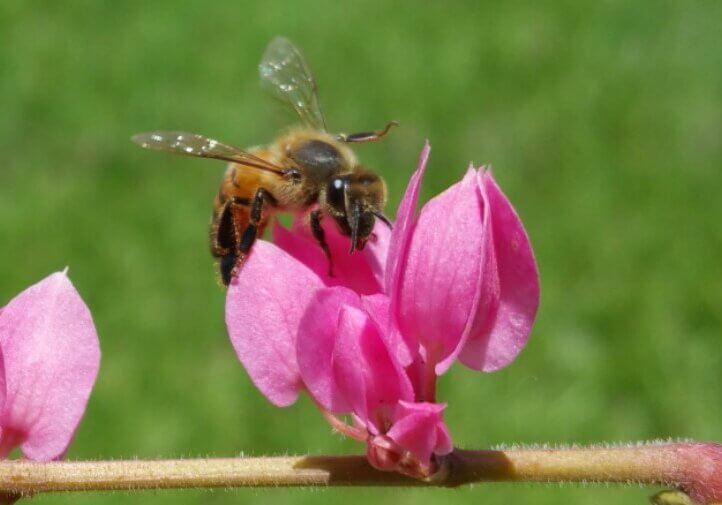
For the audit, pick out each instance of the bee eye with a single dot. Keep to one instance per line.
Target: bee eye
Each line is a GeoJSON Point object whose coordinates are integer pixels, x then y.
{"type": "Point", "coordinates": [293, 174]}
{"type": "Point", "coordinates": [335, 193]}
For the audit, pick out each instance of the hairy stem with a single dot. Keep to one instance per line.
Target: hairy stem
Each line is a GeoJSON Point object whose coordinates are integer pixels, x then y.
{"type": "Point", "coordinates": [665, 464]}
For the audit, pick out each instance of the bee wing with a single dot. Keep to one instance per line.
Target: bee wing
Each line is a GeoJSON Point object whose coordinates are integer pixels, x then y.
{"type": "Point", "coordinates": [285, 74]}
{"type": "Point", "coordinates": [192, 144]}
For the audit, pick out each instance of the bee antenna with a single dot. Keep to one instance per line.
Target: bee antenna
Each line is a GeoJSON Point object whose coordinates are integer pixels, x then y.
{"type": "Point", "coordinates": [383, 218]}
{"type": "Point", "coordinates": [372, 136]}
{"type": "Point", "coordinates": [355, 218]}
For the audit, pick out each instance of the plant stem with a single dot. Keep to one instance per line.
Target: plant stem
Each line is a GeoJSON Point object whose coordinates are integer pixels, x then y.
{"type": "Point", "coordinates": [31, 477]}
{"type": "Point", "coordinates": [429, 381]}
{"type": "Point", "coordinates": [644, 465]}
{"type": "Point", "coordinates": [665, 464]}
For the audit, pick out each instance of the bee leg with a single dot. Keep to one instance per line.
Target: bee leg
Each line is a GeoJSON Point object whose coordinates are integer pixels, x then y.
{"type": "Point", "coordinates": [320, 237]}
{"type": "Point", "coordinates": [224, 234]}
{"type": "Point", "coordinates": [224, 242]}
{"type": "Point", "coordinates": [227, 265]}
{"type": "Point", "coordinates": [357, 138]}
{"type": "Point", "coordinates": [251, 232]}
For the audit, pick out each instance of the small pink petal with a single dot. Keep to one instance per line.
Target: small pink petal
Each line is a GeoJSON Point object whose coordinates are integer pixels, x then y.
{"type": "Point", "coordinates": [449, 275]}
{"type": "Point", "coordinates": [378, 308]}
{"type": "Point", "coordinates": [365, 370]}
{"type": "Point", "coordinates": [495, 343]}
{"type": "Point", "coordinates": [358, 271]}
{"type": "Point", "coordinates": [419, 428]}
{"type": "Point", "coordinates": [383, 454]}
{"type": "Point", "coordinates": [51, 357]}
{"type": "Point", "coordinates": [400, 242]}
{"type": "Point", "coordinates": [264, 307]}
{"type": "Point", "coordinates": [316, 340]}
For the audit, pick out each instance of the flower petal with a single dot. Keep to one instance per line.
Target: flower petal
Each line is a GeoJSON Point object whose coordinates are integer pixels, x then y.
{"type": "Point", "coordinates": [366, 371]}
{"type": "Point", "coordinates": [303, 249]}
{"type": "Point", "coordinates": [404, 226]}
{"type": "Point", "coordinates": [399, 245]}
{"type": "Point", "coordinates": [419, 428]}
{"type": "Point", "coordinates": [264, 307]}
{"type": "Point", "coordinates": [316, 340]}
{"type": "Point", "coordinates": [349, 368]}
{"type": "Point", "coordinates": [493, 346]}
{"type": "Point", "coordinates": [51, 357]}
{"type": "Point", "coordinates": [443, 284]}
{"type": "Point", "coordinates": [378, 308]}
{"type": "Point", "coordinates": [359, 271]}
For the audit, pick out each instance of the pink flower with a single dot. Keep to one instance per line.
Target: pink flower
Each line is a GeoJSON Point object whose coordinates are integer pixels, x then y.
{"type": "Point", "coordinates": [49, 358]}
{"type": "Point", "coordinates": [456, 280]}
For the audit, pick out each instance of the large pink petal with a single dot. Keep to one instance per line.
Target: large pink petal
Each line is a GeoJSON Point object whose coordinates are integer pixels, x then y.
{"type": "Point", "coordinates": [420, 429]}
{"type": "Point", "coordinates": [264, 307]}
{"type": "Point", "coordinates": [400, 243]}
{"type": "Point", "coordinates": [51, 357]}
{"type": "Point", "coordinates": [359, 271]}
{"type": "Point", "coordinates": [303, 249]}
{"type": "Point", "coordinates": [494, 346]}
{"type": "Point", "coordinates": [366, 371]}
{"type": "Point", "coordinates": [316, 340]}
{"type": "Point", "coordinates": [449, 271]}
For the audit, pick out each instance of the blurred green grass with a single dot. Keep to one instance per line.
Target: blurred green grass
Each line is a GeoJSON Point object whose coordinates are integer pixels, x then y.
{"type": "Point", "coordinates": [603, 121]}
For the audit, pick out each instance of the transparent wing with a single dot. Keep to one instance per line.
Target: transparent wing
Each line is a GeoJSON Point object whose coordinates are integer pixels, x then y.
{"type": "Point", "coordinates": [191, 144]}
{"type": "Point", "coordinates": [285, 74]}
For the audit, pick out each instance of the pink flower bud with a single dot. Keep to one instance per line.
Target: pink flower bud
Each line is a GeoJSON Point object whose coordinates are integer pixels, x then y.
{"type": "Point", "coordinates": [698, 471]}
{"type": "Point", "coordinates": [418, 433]}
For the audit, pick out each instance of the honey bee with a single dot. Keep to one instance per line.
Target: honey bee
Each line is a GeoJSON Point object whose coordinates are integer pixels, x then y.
{"type": "Point", "coordinates": [306, 170]}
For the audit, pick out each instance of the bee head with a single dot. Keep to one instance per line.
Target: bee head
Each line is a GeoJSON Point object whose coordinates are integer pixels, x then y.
{"type": "Point", "coordinates": [355, 200]}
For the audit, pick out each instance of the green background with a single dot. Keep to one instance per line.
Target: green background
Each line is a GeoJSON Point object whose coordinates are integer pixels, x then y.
{"type": "Point", "coordinates": [602, 120]}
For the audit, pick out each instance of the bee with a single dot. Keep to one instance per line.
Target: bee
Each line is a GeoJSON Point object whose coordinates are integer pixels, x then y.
{"type": "Point", "coordinates": [306, 170]}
